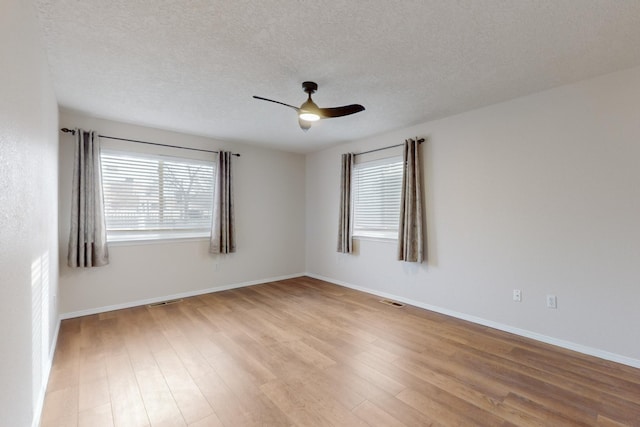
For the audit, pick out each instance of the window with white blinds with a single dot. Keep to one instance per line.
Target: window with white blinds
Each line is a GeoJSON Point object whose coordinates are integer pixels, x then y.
{"type": "Point", "coordinates": [376, 190]}
{"type": "Point", "coordinates": [149, 197]}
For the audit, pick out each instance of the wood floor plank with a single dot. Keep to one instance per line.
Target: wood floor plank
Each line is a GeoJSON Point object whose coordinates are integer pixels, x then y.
{"type": "Point", "coordinates": [193, 405]}
{"type": "Point", "coordinates": [227, 406]}
{"type": "Point", "coordinates": [158, 400]}
{"type": "Point", "coordinates": [97, 416]}
{"type": "Point", "coordinates": [546, 387]}
{"type": "Point", "coordinates": [91, 365]}
{"type": "Point", "coordinates": [210, 421]}
{"type": "Point", "coordinates": [489, 403]}
{"type": "Point", "coordinates": [245, 352]}
{"type": "Point", "coordinates": [328, 404]}
{"type": "Point", "coordinates": [428, 406]}
{"type": "Point", "coordinates": [93, 394]}
{"type": "Point", "coordinates": [607, 422]}
{"type": "Point", "coordinates": [300, 409]}
{"type": "Point", "coordinates": [376, 417]}
{"type": "Point", "coordinates": [61, 407]}
{"type": "Point", "coordinates": [246, 388]}
{"type": "Point", "coordinates": [547, 414]}
{"type": "Point", "coordinates": [303, 352]}
{"type": "Point", "coordinates": [406, 414]}
{"type": "Point", "coordinates": [126, 400]}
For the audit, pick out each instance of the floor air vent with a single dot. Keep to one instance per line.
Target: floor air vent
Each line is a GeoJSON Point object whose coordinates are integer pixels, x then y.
{"type": "Point", "coordinates": [163, 303]}
{"type": "Point", "coordinates": [392, 303]}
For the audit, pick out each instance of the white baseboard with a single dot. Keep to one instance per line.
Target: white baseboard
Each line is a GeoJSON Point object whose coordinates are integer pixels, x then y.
{"type": "Point", "coordinates": [153, 300]}
{"type": "Point", "coordinates": [635, 363]}
{"type": "Point", "coordinates": [39, 404]}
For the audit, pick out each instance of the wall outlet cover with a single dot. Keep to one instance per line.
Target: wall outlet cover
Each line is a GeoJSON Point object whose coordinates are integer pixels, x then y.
{"type": "Point", "coordinates": [517, 295]}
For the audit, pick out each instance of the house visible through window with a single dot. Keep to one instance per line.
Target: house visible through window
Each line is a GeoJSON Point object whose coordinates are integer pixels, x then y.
{"type": "Point", "coordinates": [149, 197]}
{"type": "Point", "coordinates": [376, 189]}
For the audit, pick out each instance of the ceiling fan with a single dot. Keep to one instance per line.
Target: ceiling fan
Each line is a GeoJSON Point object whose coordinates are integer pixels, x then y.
{"type": "Point", "coordinates": [309, 112]}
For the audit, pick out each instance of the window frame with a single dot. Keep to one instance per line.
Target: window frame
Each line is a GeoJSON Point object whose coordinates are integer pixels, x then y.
{"type": "Point", "coordinates": [149, 236]}
{"type": "Point", "coordinates": [389, 234]}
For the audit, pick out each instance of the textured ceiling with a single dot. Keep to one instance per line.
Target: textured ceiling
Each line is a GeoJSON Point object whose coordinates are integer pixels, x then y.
{"type": "Point", "coordinates": [193, 66]}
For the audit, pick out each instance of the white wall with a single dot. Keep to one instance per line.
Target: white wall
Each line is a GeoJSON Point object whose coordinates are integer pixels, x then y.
{"type": "Point", "coordinates": [28, 216]}
{"type": "Point", "coordinates": [269, 195]}
{"type": "Point", "coordinates": [541, 194]}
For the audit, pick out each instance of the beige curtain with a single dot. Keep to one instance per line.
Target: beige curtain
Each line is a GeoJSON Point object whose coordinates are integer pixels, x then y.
{"type": "Point", "coordinates": [410, 244]}
{"type": "Point", "coordinates": [345, 242]}
{"type": "Point", "coordinates": [88, 234]}
{"type": "Point", "coordinates": [223, 233]}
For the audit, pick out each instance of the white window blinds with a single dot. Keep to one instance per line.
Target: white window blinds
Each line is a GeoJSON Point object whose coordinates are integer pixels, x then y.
{"type": "Point", "coordinates": [156, 197]}
{"type": "Point", "coordinates": [376, 191]}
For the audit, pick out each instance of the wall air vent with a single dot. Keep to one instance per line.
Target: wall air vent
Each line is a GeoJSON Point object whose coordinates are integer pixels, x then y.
{"type": "Point", "coordinates": [392, 303]}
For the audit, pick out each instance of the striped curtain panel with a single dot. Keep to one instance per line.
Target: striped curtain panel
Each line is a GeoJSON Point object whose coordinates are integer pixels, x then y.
{"type": "Point", "coordinates": [345, 241]}
{"type": "Point", "coordinates": [88, 233]}
{"type": "Point", "coordinates": [223, 233]}
{"type": "Point", "coordinates": [410, 241]}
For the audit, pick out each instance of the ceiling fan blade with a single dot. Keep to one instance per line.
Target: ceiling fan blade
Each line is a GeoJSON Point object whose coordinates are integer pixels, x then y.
{"type": "Point", "coordinates": [277, 102]}
{"type": "Point", "coordinates": [327, 113]}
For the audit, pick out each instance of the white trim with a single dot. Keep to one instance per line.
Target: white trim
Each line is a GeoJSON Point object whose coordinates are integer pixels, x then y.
{"type": "Point", "coordinates": [157, 240]}
{"type": "Point", "coordinates": [377, 239]}
{"type": "Point", "coordinates": [137, 303]}
{"type": "Point", "coordinates": [613, 357]}
{"type": "Point", "coordinates": [39, 404]}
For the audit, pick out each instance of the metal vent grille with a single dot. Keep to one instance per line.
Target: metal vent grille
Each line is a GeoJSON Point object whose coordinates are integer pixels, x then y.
{"type": "Point", "coordinates": [163, 303]}
{"type": "Point", "coordinates": [392, 303]}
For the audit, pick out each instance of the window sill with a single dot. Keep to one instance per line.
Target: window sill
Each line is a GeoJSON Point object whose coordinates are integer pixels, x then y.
{"type": "Point", "coordinates": [133, 240]}
{"type": "Point", "coordinates": [377, 239]}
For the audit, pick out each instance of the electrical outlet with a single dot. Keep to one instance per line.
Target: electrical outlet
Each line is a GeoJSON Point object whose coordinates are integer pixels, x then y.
{"type": "Point", "coordinates": [517, 295]}
{"type": "Point", "coordinates": [552, 301]}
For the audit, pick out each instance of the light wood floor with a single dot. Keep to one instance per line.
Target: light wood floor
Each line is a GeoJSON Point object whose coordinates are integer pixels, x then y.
{"type": "Point", "coordinates": [303, 352]}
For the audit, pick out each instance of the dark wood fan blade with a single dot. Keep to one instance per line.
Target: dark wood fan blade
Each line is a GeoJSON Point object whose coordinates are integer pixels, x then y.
{"type": "Point", "coordinates": [327, 113]}
{"type": "Point", "coordinates": [277, 102]}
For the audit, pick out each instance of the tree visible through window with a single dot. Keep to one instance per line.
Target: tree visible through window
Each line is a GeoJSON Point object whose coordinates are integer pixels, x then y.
{"type": "Point", "coordinates": [156, 197]}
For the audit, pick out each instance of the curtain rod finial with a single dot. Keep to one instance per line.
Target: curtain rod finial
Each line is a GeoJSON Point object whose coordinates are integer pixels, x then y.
{"type": "Point", "coordinates": [66, 130]}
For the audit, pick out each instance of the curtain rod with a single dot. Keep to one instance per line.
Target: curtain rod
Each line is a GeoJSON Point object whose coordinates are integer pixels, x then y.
{"type": "Point", "coordinates": [420, 141]}
{"type": "Point", "coordinates": [73, 132]}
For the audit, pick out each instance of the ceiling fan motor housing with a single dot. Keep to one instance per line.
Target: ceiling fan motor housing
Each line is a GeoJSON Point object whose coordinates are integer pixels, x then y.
{"type": "Point", "coordinates": [309, 87]}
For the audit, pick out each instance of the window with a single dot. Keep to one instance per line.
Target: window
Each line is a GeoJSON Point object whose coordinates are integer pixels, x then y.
{"type": "Point", "coordinates": [376, 189]}
{"type": "Point", "coordinates": [149, 197]}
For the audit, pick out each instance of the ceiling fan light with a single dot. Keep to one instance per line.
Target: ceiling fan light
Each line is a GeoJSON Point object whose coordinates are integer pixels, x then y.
{"type": "Point", "coordinates": [308, 117]}
{"type": "Point", "coordinates": [304, 125]}
{"type": "Point", "coordinates": [309, 111]}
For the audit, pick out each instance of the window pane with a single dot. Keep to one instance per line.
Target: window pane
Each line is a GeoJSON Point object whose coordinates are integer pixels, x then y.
{"type": "Point", "coordinates": [376, 197]}
{"type": "Point", "coordinates": [154, 196]}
